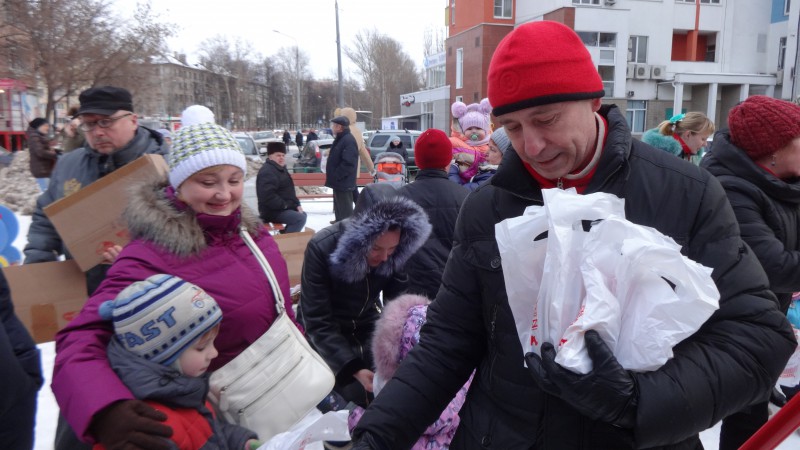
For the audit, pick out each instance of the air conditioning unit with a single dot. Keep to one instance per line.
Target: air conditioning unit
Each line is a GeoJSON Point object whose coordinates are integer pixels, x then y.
{"type": "Point", "coordinates": [610, 2]}
{"type": "Point", "coordinates": [779, 76]}
{"type": "Point", "coordinates": [630, 71]}
{"type": "Point", "coordinates": [641, 71]}
{"type": "Point", "coordinates": [658, 72]}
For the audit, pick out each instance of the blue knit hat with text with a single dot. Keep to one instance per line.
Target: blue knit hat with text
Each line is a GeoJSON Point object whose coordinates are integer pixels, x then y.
{"type": "Point", "coordinates": [200, 144]}
{"type": "Point", "coordinates": [160, 317]}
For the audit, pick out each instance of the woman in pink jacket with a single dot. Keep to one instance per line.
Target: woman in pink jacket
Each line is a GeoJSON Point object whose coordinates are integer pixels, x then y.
{"type": "Point", "coordinates": [187, 227]}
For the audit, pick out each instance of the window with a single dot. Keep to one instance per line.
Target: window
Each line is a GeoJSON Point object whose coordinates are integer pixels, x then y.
{"type": "Point", "coordinates": [781, 53]}
{"type": "Point", "coordinates": [711, 52]}
{"type": "Point", "coordinates": [637, 49]}
{"type": "Point", "coordinates": [636, 112]}
{"type": "Point", "coordinates": [477, 41]}
{"type": "Point", "coordinates": [606, 55]}
{"type": "Point", "coordinates": [459, 68]}
{"type": "Point", "coordinates": [705, 2]}
{"type": "Point", "coordinates": [786, 5]}
{"type": "Point", "coordinates": [452, 12]}
{"type": "Point", "coordinates": [595, 39]}
{"type": "Point", "coordinates": [586, 2]}
{"type": "Point", "coordinates": [502, 9]}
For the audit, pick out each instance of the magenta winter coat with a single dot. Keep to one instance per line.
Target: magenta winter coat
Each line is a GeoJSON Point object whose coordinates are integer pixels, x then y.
{"type": "Point", "coordinates": [201, 249]}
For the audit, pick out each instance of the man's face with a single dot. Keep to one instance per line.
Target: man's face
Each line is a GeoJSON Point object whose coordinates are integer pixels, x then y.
{"type": "Point", "coordinates": [116, 136]}
{"type": "Point", "coordinates": [554, 139]}
{"type": "Point", "coordinates": [278, 157]}
{"type": "Point", "coordinates": [336, 128]}
{"type": "Point", "coordinates": [383, 248]}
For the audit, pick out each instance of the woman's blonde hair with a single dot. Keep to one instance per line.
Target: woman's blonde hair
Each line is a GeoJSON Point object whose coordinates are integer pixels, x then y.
{"type": "Point", "coordinates": [696, 122]}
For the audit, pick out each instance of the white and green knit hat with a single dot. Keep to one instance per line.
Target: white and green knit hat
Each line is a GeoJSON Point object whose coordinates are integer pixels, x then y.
{"type": "Point", "coordinates": [200, 146]}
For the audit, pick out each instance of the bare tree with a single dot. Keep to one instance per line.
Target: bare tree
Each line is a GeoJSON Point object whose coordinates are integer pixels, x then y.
{"type": "Point", "coordinates": [292, 63]}
{"type": "Point", "coordinates": [387, 71]}
{"type": "Point", "coordinates": [230, 62]}
{"type": "Point", "coordinates": [75, 44]}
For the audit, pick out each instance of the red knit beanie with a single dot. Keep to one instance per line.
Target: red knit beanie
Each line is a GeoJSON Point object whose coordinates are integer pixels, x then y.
{"type": "Point", "coordinates": [541, 63]}
{"type": "Point", "coordinates": [762, 125]}
{"type": "Point", "coordinates": [433, 150]}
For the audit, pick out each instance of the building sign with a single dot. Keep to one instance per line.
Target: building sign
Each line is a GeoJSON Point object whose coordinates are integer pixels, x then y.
{"type": "Point", "coordinates": [407, 100]}
{"type": "Point", "coordinates": [434, 60]}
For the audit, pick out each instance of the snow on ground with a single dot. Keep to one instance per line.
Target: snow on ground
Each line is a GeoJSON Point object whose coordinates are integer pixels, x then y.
{"type": "Point", "coordinates": [320, 213]}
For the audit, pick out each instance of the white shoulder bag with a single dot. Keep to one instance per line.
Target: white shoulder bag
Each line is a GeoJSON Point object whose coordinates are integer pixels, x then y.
{"type": "Point", "coordinates": [275, 381]}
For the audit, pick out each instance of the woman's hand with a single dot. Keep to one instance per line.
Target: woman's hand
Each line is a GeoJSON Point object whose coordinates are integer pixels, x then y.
{"type": "Point", "coordinates": [365, 377]}
{"type": "Point", "coordinates": [111, 254]}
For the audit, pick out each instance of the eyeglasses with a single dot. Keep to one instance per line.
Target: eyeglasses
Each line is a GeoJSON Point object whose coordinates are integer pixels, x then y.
{"type": "Point", "coordinates": [102, 123]}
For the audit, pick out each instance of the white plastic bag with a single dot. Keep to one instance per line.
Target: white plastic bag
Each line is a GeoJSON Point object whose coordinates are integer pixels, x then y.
{"type": "Point", "coordinates": [601, 272]}
{"type": "Point", "coordinates": [310, 431]}
{"type": "Point", "coordinates": [791, 374]}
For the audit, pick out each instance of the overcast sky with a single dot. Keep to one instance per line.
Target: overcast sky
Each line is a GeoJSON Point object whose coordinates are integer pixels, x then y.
{"type": "Point", "coordinates": [311, 22]}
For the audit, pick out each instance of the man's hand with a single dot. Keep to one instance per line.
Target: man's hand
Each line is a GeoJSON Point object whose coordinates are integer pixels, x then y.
{"type": "Point", "coordinates": [299, 209]}
{"type": "Point", "coordinates": [608, 393]}
{"type": "Point", "coordinates": [365, 377]}
{"type": "Point", "coordinates": [131, 425]}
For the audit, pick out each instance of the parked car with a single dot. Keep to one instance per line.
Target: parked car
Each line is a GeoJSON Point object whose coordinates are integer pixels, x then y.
{"type": "Point", "coordinates": [310, 158]}
{"type": "Point", "coordinates": [262, 137]}
{"type": "Point", "coordinates": [380, 140]}
{"type": "Point", "coordinates": [249, 147]}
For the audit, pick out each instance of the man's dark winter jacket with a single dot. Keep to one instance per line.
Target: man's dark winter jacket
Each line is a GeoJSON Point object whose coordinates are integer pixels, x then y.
{"type": "Point", "coordinates": [42, 157]}
{"type": "Point", "coordinates": [340, 171]}
{"type": "Point", "coordinates": [74, 171]}
{"type": "Point", "coordinates": [768, 211]}
{"type": "Point", "coordinates": [21, 375]}
{"type": "Point", "coordinates": [441, 199]}
{"type": "Point", "coordinates": [340, 295]}
{"type": "Point", "coordinates": [275, 191]}
{"type": "Point", "coordinates": [732, 361]}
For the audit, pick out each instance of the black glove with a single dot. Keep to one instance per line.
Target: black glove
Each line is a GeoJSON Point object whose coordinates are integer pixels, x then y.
{"type": "Point", "coordinates": [608, 393]}
{"type": "Point", "coordinates": [131, 425]}
{"type": "Point", "coordinates": [777, 398]}
{"type": "Point", "coordinates": [366, 442]}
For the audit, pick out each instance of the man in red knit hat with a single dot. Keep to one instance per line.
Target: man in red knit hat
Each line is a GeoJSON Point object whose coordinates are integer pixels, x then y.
{"type": "Point", "coordinates": [546, 92]}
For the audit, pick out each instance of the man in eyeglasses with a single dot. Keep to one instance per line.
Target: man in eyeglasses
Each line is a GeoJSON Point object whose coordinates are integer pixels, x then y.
{"type": "Point", "coordinates": [113, 139]}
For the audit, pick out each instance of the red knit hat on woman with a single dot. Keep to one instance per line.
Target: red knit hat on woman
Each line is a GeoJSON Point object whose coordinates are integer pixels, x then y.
{"type": "Point", "coordinates": [762, 125]}
{"type": "Point", "coordinates": [433, 150]}
{"type": "Point", "coordinates": [541, 63]}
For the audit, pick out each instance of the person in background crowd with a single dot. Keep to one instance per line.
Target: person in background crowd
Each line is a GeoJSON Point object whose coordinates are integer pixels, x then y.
{"type": "Point", "coordinates": [21, 372]}
{"type": "Point", "coordinates": [113, 139]}
{"type": "Point", "coordinates": [683, 135]}
{"type": "Point", "coordinates": [498, 144]}
{"type": "Point", "coordinates": [342, 167]}
{"type": "Point", "coordinates": [165, 133]}
{"type": "Point", "coordinates": [72, 134]}
{"type": "Point", "coordinates": [42, 154]}
{"type": "Point", "coordinates": [396, 146]}
{"type": "Point", "coordinates": [277, 200]}
{"type": "Point", "coordinates": [474, 127]}
{"type": "Point", "coordinates": [564, 138]}
{"type": "Point", "coordinates": [298, 139]}
{"type": "Point", "coordinates": [312, 135]}
{"type": "Point", "coordinates": [441, 200]}
{"type": "Point", "coordinates": [164, 331]}
{"type": "Point", "coordinates": [287, 138]}
{"type": "Point", "coordinates": [348, 267]}
{"type": "Point", "coordinates": [758, 163]}
{"type": "Point", "coordinates": [189, 225]}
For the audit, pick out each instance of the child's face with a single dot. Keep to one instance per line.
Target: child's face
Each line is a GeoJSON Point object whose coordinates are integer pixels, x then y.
{"type": "Point", "coordinates": [194, 360]}
{"type": "Point", "coordinates": [475, 134]}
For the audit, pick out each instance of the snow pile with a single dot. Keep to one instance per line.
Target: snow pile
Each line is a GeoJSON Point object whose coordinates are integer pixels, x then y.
{"type": "Point", "coordinates": [18, 189]}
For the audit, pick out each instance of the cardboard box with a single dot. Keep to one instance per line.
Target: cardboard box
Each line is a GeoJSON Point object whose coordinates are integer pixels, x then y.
{"type": "Point", "coordinates": [46, 296]}
{"type": "Point", "coordinates": [293, 248]}
{"type": "Point", "coordinates": [90, 220]}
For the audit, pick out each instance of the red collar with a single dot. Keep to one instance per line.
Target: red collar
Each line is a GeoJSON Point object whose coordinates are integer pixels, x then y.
{"type": "Point", "coordinates": [686, 150]}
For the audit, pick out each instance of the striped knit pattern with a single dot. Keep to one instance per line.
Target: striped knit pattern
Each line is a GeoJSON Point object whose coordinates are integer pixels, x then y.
{"type": "Point", "coordinates": [160, 317]}
{"type": "Point", "coordinates": [201, 146]}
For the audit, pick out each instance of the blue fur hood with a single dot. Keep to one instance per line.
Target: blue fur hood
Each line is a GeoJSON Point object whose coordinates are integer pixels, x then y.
{"type": "Point", "coordinates": [348, 260]}
{"type": "Point", "coordinates": [667, 143]}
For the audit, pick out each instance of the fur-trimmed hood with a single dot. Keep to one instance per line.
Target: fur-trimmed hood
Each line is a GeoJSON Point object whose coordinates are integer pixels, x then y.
{"type": "Point", "coordinates": [388, 346]}
{"type": "Point", "coordinates": [667, 143]}
{"type": "Point", "coordinates": [155, 214]}
{"type": "Point", "coordinates": [348, 260]}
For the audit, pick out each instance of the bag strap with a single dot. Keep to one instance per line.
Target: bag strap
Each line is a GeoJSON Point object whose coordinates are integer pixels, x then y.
{"type": "Point", "coordinates": [262, 261]}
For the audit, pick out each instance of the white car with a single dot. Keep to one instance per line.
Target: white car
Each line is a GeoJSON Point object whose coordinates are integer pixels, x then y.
{"type": "Point", "coordinates": [249, 147]}
{"type": "Point", "coordinates": [263, 137]}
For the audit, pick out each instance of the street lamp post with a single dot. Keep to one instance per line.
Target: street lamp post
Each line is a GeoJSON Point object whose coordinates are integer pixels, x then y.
{"type": "Point", "coordinates": [298, 111]}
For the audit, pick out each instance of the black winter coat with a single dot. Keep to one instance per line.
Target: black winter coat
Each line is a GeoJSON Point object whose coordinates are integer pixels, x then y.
{"type": "Point", "coordinates": [732, 361]}
{"type": "Point", "coordinates": [768, 211]}
{"type": "Point", "coordinates": [341, 169]}
{"type": "Point", "coordinates": [275, 191]}
{"type": "Point", "coordinates": [42, 156]}
{"type": "Point", "coordinates": [21, 372]}
{"type": "Point", "coordinates": [441, 199]}
{"type": "Point", "coordinates": [340, 295]}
